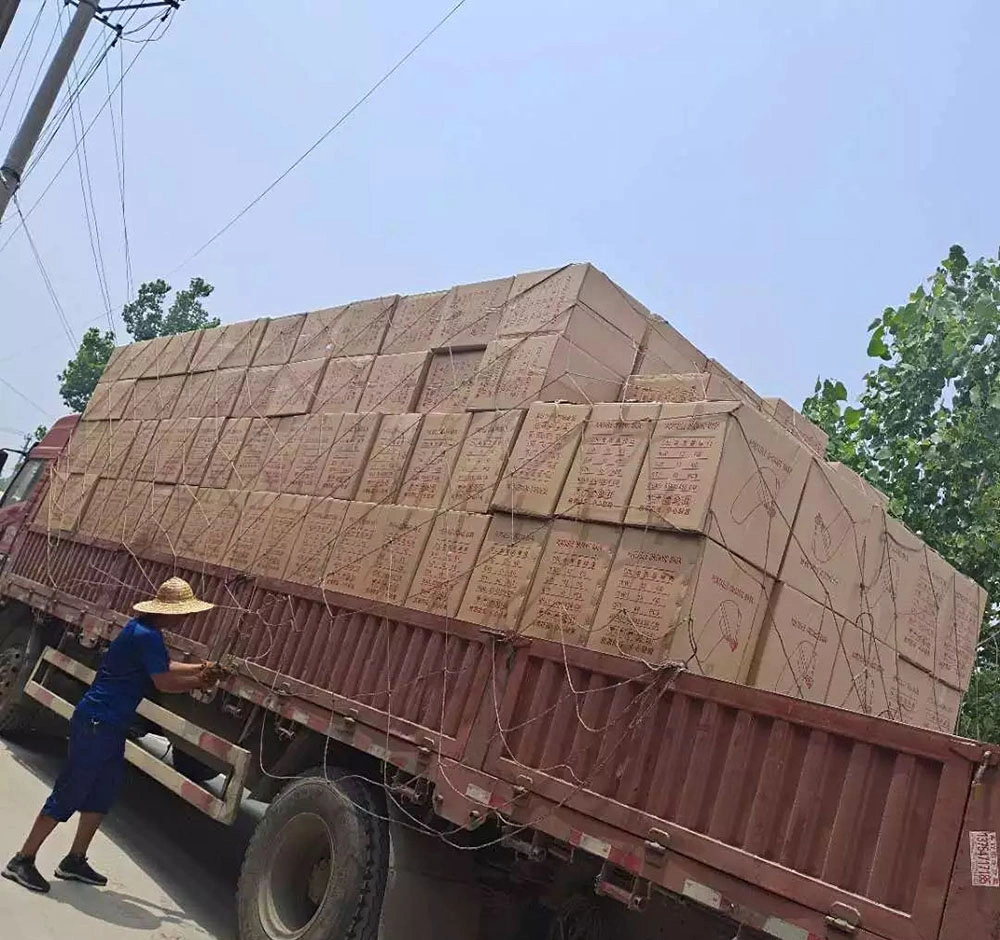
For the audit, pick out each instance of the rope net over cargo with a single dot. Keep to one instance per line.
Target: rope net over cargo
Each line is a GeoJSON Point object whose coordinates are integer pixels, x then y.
{"type": "Point", "coordinates": [384, 499]}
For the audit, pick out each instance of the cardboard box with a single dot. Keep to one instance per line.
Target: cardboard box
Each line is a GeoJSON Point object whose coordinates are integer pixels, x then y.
{"type": "Point", "coordinates": [665, 350]}
{"type": "Point", "coordinates": [482, 459]}
{"type": "Point", "coordinates": [390, 454]}
{"type": "Point", "coordinates": [517, 371]}
{"type": "Point", "coordinates": [351, 557]}
{"type": "Point", "coordinates": [566, 590]}
{"type": "Point", "coordinates": [501, 579]}
{"type": "Point", "coordinates": [315, 539]}
{"type": "Point", "coordinates": [963, 605]}
{"type": "Point", "coordinates": [211, 522]}
{"type": "Point", "coordinates": [173, 357]}
{"type": "Point", "coordinates": [170, 527]}
{"type": "Point", "coordinates": [178, 434]}
{"type": "Point", "coordinates": [258, 384]}
{"type": "Point", "coordinates": [813, 436]}
{"type": "Point", "coordinates": [680, 388]}
{"type": "Point", "coordinates": [253, 452]}
{"type": "Point", "coordinates": [343, 384]}
{"type": "Point", "coordinates": [471, 314]}
{"type": "Point", "coordinates": [120, 442]}
{"type": "Point", "coordinates": [136, 465]}
{"type": "Point", "coordinates": [210, 394]}
{"type": "Point", "coordinates": [872, 492]}
{"type": "Point", "coordinates": [86, 445]}
{"type": "Point", "coordinates": [747, 394]}
{"type": "Point", "coordinates": [395, 552]}
{"type": "Point", "coordinates": [113, 526]}
{"type": "Point", "coordinates": [231, 346]}
{"type": "Point", "coordinates": [681, 598]}
{"type": "Point", "coordinates": [152, 461]}
{"type": "Point", "coordinates": [286, 518]}
{"type": "Point", "coordinates": [278, 343]}
{"type": "Point", "coordinates": [723, 470]}
{"type": "Point", "coordinates": [438, 444]}
{"type": "Point", "coordinates": [540, 459]}
{"type": "Point", "coordinates": [92, 519]}
{"type": "Point", "coordinates": [120, 357]}
{"type": "Point", "coordinates": [223, 460]}
{"type": "Point", "coordinates": [797, 646]}
{"type": "Point", "coordinates": [349, 456]}
{"type": "Point", "coordinates": [148, 533]}
{"type": "Point", "coordinates": [395, 383]}
{"type": "Point", "coordinates": [276, 471]}
{"type": "Point", "coordinates": [448, 559]}
{"type": "Point", "coordinates": [415, 322]}
{"type": "Point", "coordinates": [251, 528]}
{"type": "Point", "coordinates": [66, 500]}
{"type": "Point", "coordinates": [354, 330]}
{"type": "Point", "coordinates": [293, 391]}
{"type": "Point", "coordinates": [316, 439]}
{"type": "Point", "coordinates": [905, 585]}
{"type": "Point", "coordinates": [925, 702]}
{"type": "Point", "coordinates": [110, 400]}
{"type": "Point", "coordinates": [136, 509]}
{"type": "Point", "coordinates": [200, 450]}
{"type": "Point", "coordinates": [606, 466]}
{"type": "Point", "coordinates": [449, 381]}
{"type": "Point", "coordinates": [864, 675]}
{"type": "Point", "coordinates": [142, 355]}
{"type": "Point", "coordinates": [583, 305]}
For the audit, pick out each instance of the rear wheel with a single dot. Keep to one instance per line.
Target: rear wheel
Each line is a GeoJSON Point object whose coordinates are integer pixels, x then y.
{"type": "Point", "coordinates": [317, 864]}
{"type": "Point", "coordinates": [19, 650]}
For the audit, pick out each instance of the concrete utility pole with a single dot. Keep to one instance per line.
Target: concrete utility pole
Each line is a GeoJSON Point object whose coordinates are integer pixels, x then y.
{"type": "Point", "coordinates": [41, 106]}
{"type": "Point", "coordinates": [7, 10]}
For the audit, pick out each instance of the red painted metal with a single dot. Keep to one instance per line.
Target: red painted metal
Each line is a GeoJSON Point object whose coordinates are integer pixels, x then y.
{"type": "Point", "coordinates": [774, 810]}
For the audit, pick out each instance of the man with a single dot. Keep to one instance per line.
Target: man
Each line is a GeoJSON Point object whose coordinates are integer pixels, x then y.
{"type": "Point", "coordinates": [135, 662]}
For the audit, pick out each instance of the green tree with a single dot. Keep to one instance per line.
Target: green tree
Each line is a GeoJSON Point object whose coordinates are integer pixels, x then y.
{"type": "Point", "coordinates": [144, 318]}
{"type": "Point", "coordinates": [925, 429]}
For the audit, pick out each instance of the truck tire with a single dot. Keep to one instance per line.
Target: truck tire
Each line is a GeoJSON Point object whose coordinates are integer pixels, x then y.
{"type": "Point", "coordinates": [317, 864]}
{"type": "Point", "coordinates": [19, 650]}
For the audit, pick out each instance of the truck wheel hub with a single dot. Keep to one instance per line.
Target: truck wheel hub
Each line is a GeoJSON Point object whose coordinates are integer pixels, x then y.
{"type": "Point", "coordinates": [298, 877]}
{"type": "Point", "coordinates": [10, 666]}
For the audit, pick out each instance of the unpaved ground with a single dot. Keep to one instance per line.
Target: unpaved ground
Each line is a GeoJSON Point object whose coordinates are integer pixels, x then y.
{"type": "Point", "coordinates": [172, 870]}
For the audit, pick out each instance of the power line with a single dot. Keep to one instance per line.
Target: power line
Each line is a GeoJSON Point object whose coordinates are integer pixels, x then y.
{"type": "Point", "coordinates": [18, 65]}
{"type": "Point", "coordinates": [354, 107]}
{"type": "Point", "coordinates": [23, 397]}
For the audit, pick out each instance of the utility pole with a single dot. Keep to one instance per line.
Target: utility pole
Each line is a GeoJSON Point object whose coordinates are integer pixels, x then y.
{"type": "Point", "coordinates": [30, 130]}
{"type": "Point", "coordinates": [7, 10]}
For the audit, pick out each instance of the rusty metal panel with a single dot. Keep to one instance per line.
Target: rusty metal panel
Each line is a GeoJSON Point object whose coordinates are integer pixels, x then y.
{"type": "Point", "coordinates": [814, 804]}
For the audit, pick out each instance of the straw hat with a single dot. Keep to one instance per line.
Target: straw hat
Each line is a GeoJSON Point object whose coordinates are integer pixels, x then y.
{"type": "Point", "coordinates": [173, 597]}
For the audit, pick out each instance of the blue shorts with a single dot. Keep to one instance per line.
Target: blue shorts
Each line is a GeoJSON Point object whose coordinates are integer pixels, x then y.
{"type": "Point", "coordinates": [94, 770]}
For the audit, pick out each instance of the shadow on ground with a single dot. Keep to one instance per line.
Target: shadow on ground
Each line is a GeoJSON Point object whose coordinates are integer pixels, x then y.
{"type": "Point", "coordinates": [194, 859]}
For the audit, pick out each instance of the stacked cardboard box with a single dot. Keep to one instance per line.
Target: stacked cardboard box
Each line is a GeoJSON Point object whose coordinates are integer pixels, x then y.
{"type": "Point", "coordinates": [537, 454]}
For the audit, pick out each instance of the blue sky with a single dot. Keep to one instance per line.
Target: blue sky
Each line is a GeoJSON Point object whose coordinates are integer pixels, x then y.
{"type": "Point", "coordinates": [768, 176]}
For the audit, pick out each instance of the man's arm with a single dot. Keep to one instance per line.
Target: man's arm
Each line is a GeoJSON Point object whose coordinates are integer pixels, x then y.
{"type": "Point", "coordinates": [183, 677]}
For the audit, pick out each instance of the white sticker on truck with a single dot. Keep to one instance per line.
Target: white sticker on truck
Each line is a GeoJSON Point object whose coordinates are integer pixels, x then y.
{"type": "Point", "coordinates": [983, 854]}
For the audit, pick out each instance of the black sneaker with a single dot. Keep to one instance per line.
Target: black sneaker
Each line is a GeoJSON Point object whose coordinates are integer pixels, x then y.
{"type": "Point", "coordinates": [22, 870]}
{"type": "Point", "coordinates": [75, 868]}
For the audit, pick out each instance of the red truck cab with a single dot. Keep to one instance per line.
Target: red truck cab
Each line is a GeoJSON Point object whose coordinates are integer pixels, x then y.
{"type": "Point", "coordinates": [17, 498]}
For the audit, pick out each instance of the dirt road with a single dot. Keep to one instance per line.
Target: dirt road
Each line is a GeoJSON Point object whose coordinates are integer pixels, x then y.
{"type": "Point", "coordinates": [172, 870]}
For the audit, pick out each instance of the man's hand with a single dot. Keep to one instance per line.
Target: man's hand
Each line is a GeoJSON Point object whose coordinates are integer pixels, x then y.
{"type": "Point", "coordinates": [210, 673]}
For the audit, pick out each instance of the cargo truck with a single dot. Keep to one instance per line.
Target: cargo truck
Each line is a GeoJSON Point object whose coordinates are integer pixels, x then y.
{"type": "Point", "coordinates": [419, 775]}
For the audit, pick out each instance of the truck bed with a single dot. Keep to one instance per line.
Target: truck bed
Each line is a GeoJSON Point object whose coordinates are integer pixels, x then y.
{"type": "Point", "coordinates": [800, 820]}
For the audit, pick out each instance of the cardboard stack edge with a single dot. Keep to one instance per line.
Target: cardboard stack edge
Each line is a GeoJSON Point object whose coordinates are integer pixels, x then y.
{"type": "Point", "coordinates": [537, 454]}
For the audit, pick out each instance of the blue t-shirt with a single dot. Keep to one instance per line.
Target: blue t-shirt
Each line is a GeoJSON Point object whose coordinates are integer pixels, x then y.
{"type": "Point", "coordinates": [123, 678]}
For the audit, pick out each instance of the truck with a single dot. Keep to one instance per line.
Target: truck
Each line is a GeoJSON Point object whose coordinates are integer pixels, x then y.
{"type": "Point", "coordinates": [418, 776]}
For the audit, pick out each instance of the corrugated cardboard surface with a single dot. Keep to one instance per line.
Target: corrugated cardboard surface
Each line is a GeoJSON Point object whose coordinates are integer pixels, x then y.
{"type": "Point", "coordinates": [349, 455]}
{"type": "Point", "coordinates": [87, 443]}
{"type": "Point", "coordinates": [251, 527]}
{"type": "Point", "coordinates": [91, 521]}
{"type": "Point", "coordinates": [315, 539]}
{"type": "Point", "coordinates": [873, 492]}
{"type": "Point", "coordinates": [178, 434]}
{"type": "Point", "coordinates": [343, 383]}
{"type": "Point", "coordinates": [449, 380]}
{"type": "Point", "coordinates": [434, 455]}
{"type": "Point", "coordinates": [415, 322]}
{"type": "Point", "coordinates": [395, 552]}
{"type": "Point", "coordinates": [517, 371]}
{"type": "Point", "coordinates": [258, 383]}
{"type": "Point", "coordinates": [252, 454]}
{"type": "Point", "coordinates": [148, 532]}
{"type": "Point", "coordinates": [199, 453]}
{"type": "Point", "coordinates": [679, 388]}
{"type": "Point", "coordinates": [471, 314]}
{"type": "Point", "coordinates": [174, 516]}
{"type": "Point", "coordinates": [864, 675]}
{"type": "Point", "coordinates": [394, 383]}
{"type": "Point", "coordinates": [797, 647]}
{"type": "Point", "coordinates": [351, 556]}
{"type": "Point", "coordinates": [961, 616]}
{"type": "Point", "coordinates": [212, 521]}
{"type": "Point", "coordinates": [176, 355]}
{"type": "Point", "coordinates": [924, 702]}
{"type": "Point", "coordinates": [540, 459]}
{"type": "Point", "coordinates": [143, 354]}
{"type": "Point", "coordinates": [276, 471]}
{"type": "Point", "coordinates": [285, 521]}
{"type": "Point", "coordinates": [448, 559]}
{"type": "Point", "coordinates": [109, 400]}
{"type": "Point", "coordinates": [137, 506]}
{"type": "Point", "coordinates": [389, 457]}
{"type": "Point", "coordinates": [606, 466]}
{"type": "Point", "coordinates": [482, 459]}
{"type": "Point", "coordinates": [210, 394]}
{"type": "Point", "coordinates": [133, 463]}
{"type": "Point", "coordinates": [293, 391]}
{"type": "Point", "coordinates": [562, 604]}
{"type": "Point", "coordinates": [354, 330]}
{"type": "Point", "coordinates": [278, 342]}
{"type": "Point", "coordinates": [150, 466]}
{"type": "Point", "coordinates": [317, 437]}
{"type": "Point", "coordinates": [220, 467]}
{"type": "Point", "coordinates": [231, 346]}
{"type": "Point", "coordinates": [504, 570]}
{"type": "Point", "coordinates": [665, 350]}
{"type": "Point", "coordinates": [813, 436]}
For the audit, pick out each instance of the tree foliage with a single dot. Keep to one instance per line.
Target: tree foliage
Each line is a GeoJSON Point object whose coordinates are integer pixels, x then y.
{"type": "Point", "coordinates": [925, 429]}
{"type": "Point", "coordinates": [145, 318]}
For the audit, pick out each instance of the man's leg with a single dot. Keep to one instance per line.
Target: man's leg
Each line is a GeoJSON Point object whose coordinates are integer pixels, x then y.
{"type": "Point", "coordinates": [86, 828]}
{"type": "Point", "coordinates": [40, 831]}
